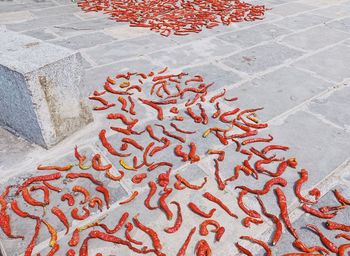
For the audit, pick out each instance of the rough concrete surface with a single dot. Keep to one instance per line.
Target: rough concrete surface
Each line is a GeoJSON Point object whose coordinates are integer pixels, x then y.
{"type": "Point", "coordinates": [294, 63]}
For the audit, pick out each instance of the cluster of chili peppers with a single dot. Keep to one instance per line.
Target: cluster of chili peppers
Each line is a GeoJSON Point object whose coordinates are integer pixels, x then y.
{"type": "Point", "coordinates": [175, 100]}
{"type": "Point", "coordinates": [174, 16]}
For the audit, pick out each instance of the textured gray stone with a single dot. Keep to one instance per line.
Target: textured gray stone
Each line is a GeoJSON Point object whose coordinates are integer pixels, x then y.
{"type": "Point", "coordinates": [255, 35]}
{"type": "Point", "coordinates": [323, 63]}
{"type": "Point", "coordinates": [291, 9]}
{"type": "Point", "coordinates": [288, 85]}
{"type": "Point", "coordinates": [302, 21]}
{"type": "Point", "coordinates": [56, 10]}
{"type": "Point", "coordinates": [39, 106]}
{"type": "Point", "coordinates": [342, 25]}
{"type": "Point", "coordinates": [42, 34]}
{"type": "Point", "coordinates": [335, 11]}
{"type": "Point", "coordinates": [261, 57]}
{"type": "Point", "coordinates": [310, 39]}
{"type": "Point", "coordinates": [15, 17]}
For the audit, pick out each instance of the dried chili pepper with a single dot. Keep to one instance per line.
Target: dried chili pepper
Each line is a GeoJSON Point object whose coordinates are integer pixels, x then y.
{"type": "Point", "coordinates": [55, 167]}
{"type": "Point", "coordinates": [248, 141]}
{"type": "Point", "coordinates": [84, 191]}
{"type": "Point", "coordinates": [163, 178]}
{"type": "Point", "coordinates": [243, 249]}
{"type": "Point", "coordinates": [174, 136]}
{"type": "Point", "coordinates": [52, 187]}
{"type": "Point", "coordinates": [138, 178]}
{"type": "Point", "coordinates": [108, 146]}
{"type": "Point", "coordinates": [318, 213]}
{"type": "Point", "coordinates": [53, 176]}
{"type": "Point", "coordinates": [329, 244]}
{"type": "Point", "coordinates": [196, 118]}
{"type": "Point", "coordinates": [150, 131]}
{"type": "Point", "coordinates": [129, 227]}
{"type": "Point", "coordinates": [97, 164]}
{"type": "Point", "coordinates": [217, 113]}
{"type": "Point", "coordinates": [132, 142]}
{"type": "Point", "coordinates": [163, 205]}
{"type": "Point", "coordinates": [259, 242]}
{"type": "Point", "coordinates": [203, 229]}
{"type": "Point", "coordinates": [166, 143]}
{"type": "Point", "coordinates": [150, 232]}
{"type": "Point", "coordinates": [273, 147]}
{"type": "Point", "coordinates": [178, 152]}
{"type": "Point", "coordinates": [181, 130]}
{"type": "Point", "coordinates": [30, 200]}
{"type": "Point", "coordinates": [153, 188]}
{"type": "Point", "coordinates": [115, 177]}
{"type": "Point", "coordinates": [178, 221]}
{"type": "Point", "coordinates": [331, 225]}
{"type": "Point", "coordinates": [247, 220]}
{"type": "Point", "coordinates": [274, 181]}
{"type": "Point", "coordinates": [132, 197]}
{"type": "Point", "coordinates": [221, 184]}
{"type": "Point", "coordinates": [223, 116]}
{"type": "Point", "coordinates": [221, 154]}
{"type": "Point", "coordinates": [203, 248]}
{"type": "Point", "coordinates": [53, 233]}
{"type": "Point", "coordinates": [126, 166]}
{"type": "Point", "coordinates": [304, 248]}
{"type": "Point", "coordinates": [341, 199]}
{"type": "Point", "coordinates": [342, 249]}
{"type": "Point", "coordinates": [123, 102]}
{"type": "Point", "coordinates": [80, 158]}
{"type": "Point", "coordinates": [219, 95]}
{"type": "Point", "coordinates": [75, 238]}
{"type": "Point", "coordinates": [192, 154]}
{"type": "Point", "coordinates": [61, 216]}
{"type": "Point", "coordinates": [216, 200]}
{"type": "Point", "coordinates": [119, 225]}
{"type": "Point", "coordinates": [76, 216]}
{"type": "Point", "coordinates": [159, 109]}
{"type": "Point", "coordinates": [182, 250]}
{"type": "Point", "coordinates": [182, 180]}
{"type": "Point", "coordinates": [105, 193]}
{"type": "Point", "coordinates": [31, 245]}
{"type": "Point", "coordinates": [70, 252]}
{"type": "Point", "coordinates": [84, 175]}
{"type": "Point", "coordinates": [95, 200]}
{"type": "Point", "coordinates": [326, 209]}
{"type": "Point", "coordinates": [251, 213]}
{"type": "Point", "coordinates": [198, 211]}
{"type": "Point", "coordinates": [70, 199]}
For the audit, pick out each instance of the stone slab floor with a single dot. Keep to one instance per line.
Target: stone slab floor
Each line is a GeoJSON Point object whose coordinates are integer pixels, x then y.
{"type": "Point", "coordinates": [294, 63]}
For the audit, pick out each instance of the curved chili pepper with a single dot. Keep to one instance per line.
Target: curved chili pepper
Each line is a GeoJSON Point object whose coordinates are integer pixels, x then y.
{"type": "Point", "coordinates": [181, 130]}
{"type": "Point", "coordinates": [163, 205]}
{"type": "Point", "coordinates": [247, 220]}
{"type": "Point", "coordinates": [80, 158]}
{"type": "Point", "coordinates": [156, 165]}
{"type": "Point", "coordinates": [341, 199]}
{"type": "Point", "coordinates": [248, 141]}
{"type": "Point", "coordinates": [132, 106]}
{"type": "Point", "coordinates": [52, 187]}
{"type": "Point", "coordinates": [150, 232]}
{"type": "Point", "coordinates": [273, 147]}
{"type": "Point", "coordinates": [174, 110]}
{"type": "Point", "coordinates": [53, 233]}
{"type": "Point", "coordinates": [221, 184]}
{"type": "Point", "coordinates": [178, 118]}
{"type": "Point", "coordinates": [132, 142]}
{"type": "Point", "coordinates": [219, 95]}
{"type": "Point", "coordinates": [251, 213]}
{"type": "Point", "coordinates": [203, 229]}
{"type": "Point", "coordinates": [342, 249]}
{"type": "Point", "coordinates": [178, 221]}
{"type": "Point", "coordinates": [114, 177]}
{"type": "Point", "coordinates": [216, 200]}
{"type": "Point", "coordinates": [97, 164]}
{"type": "Point", "coordinates": [45, 191]}
{"type": "Point", "coordinates": [254, 125]}
{"type": "Point", "coordinates": [145, 153]}
{"type": "Point", "coordinates": [53, 250]}
{"type": "Point", "coordinates": [166, 143]}
{"type": "Point", "coordinates": [219, 233]}
{"type": "Point", "coordinates": [75, 238]}
{"type": "Point", "coordinates": [129, 227]}
{"type": "Point", "coordinates": [153, 188]}
{"type": "Point", "coordinates": [150, 131]}
{"type": "Point", "coordinates": [331, 225]}
{"type": "Point", "coordinates": [217, 113]}
{"type": "Point", "coordinates": [203, 114]}
{"type": "Point", "coordinates": [84, 191]}
{"type": "Point", "coordinates": [119, 225]}
{"type": "Point", "coordinates": [243, 249]}
{"type": "Point", "coordinates": [69, 198]}
{"type": "Point", "coordinates": [86, 176]}
{"type": "Point", "coordinates": [196, 118]}
{"type": "Point", "coordinates": [30, 200]}
{"type": "Point", "coordinates": [55, 167]}
{"type": "Point", "coordinates": [329, 244]}
{"type": "Point", "coordinates": [15, 208]}
{"type": "Point", "coordinates": [178, 152]}
{"type": "Point", "coordinates": [223, 116]}
{"type": "Point", "coordinates": [109, 89]}
{"type": "Point", "coordinates": [259, 242]}
{"type": "Point", "coordinates": [203, 248]}
{"type": "Point", "coordinates": [53, 176]}
{"type": "Point", "coordinates": [326, 209]}
{"type": "Point", "coordinates": [192, 154]}
{"type": "Point", "coordinates": [138, 178]}
{"type": "Point", "coordinates": [61, 216]}
{"type": "Point", "coordinates": [132, 197]}
{"type": "Point", "coordinates": [342, 235]}
{"type": "Point", "coordinates": [221, 154]}
{"type": "Point", "coordinates": [95, 200]}
{"type": "Point", "coordinates": [123, 102]}
{"type": "Point", "coordinates": [121, 130]}
{"type": "Point", "coordinates": [274, 219]}
{"type": "Point", "coordinates": [260, 154]}
{"type": "Point", "coordinates": [282, 203]}
{"type": "Point", "coordinates": [76, 216]}
{"type": "Point", "coordinates": [304, 248]}
{"type": "Point", "coordinates": [318, 213]}
{"type": "Point", "coordinates": [159, 109]}
{"type": "Point", "coordinates": [70, 252]}
{"type": "Point", "coordinates": [31, 245]}
{"type": "Point", "coordinates": [105, 193]}
{"type": "Point", "coordinates": [182, 251]}
{"type": "Point", "coordinates": [198, 211]}
{"type": "Point", "coordinates": [125, 165]}
{"type": "Point", "coordinates": [274, 181]}
{"type": "Point", "coordinates": [182, 180]}
{"type": "Point", "coordinates": [231, 99]}
{"type": "Point", "coordinates": [163, 179]}
{"type": "Point", "coordinates": [167, 133]}
{"type": "Point", "coordinates": [108, 146]}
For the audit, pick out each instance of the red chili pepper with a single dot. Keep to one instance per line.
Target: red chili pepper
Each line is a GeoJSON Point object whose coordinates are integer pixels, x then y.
{"type": "Point", "coordinates": [342, 235]}
{"type": "Point", "coordinates": [138, 178]}
{"type": "Point", "coordinates": [302, 247]}
{"type": "Point", "coordinates": [97, 163]}
{"type": "Point", "coordinates": [198, 211]}
{"type": "Point", "coordinates": [15, 208]}
{"type": "Point", "coordinates": [123, 102]}
{"type": "Point", "coordinates": [282, 203]}
{"type": "Point", "coordinates": [105, 193]}
{"type": "Point", "coordinates": [245, 142]}
{"type": "Point", "coordinates": [182, 251]}
{"type": "Point", "coordinates": [30, 200]}
{"type": "Point", "coordinates": [219, 233]}
{"type": "Point", "coordinates": [247, 220]}
{"type": "Point", "coordinates": [221, 184]}
{"type": "Point", "coordinates": [153, 188]}
{"type": "Point", "coordinates": [203, 229]}
{"type": "Point", "coordinates": [55, 167]}
{"type": "Point", "coordinates": [196, 118]}
{"type": "Point", "coordinates": [166, 143]}
{"type": "Point", "coordinates": [76, 216]}
{"type": "Point", "coordinates": [326, 209]}
{"type": "Point", "coordinates": [61, 216]}
{"type": "Point", "coordinates": [96, 93]}
{"type": "Point", "coordinates": [129, 227]}
{"type": "Point", "coordinates": [167, 133]}
{"type": "Point", "coordinates": [81, 159]}
{"type": "Point", "coordinates": [174, 110]}
{"type": "Point", "coordinates": [84, 175]}
{"type": "Point", "coordinates": [203, 114]}
{"type": "Point", "coordinates": [214, 98]}
{"type": "Point", "coordinates": [114, 177]}
{"type": "Point", "coordinates": [132, 142]}
{"type": "Point", "coordinates": [342, 249]}
{"type": "Point", "coordinates": [217, 113]}
{"type": "Point", "coordinates": [52, 187]}
{"type": "Point", "coordinates": [95, 200]}
{"type": "Point", "coordinates": [273, 147]}
{"type": "Point", "coordinates": [203, 248]}
{"type": "Point", "coordinates": [159, 109]}
{"type": "Point", "coordinates": [108, 146]}
{"type": "Point", "coordinates": [182, 180]}
{"type": "Point", "coordinates": [156, 165]}
{"type": "Point", "coordinates": [221, 154]}
{"type": "Point", "coordinates": [31, 245]}
{"type": "Point", "coordinates": [241, 205]}
{"type": "Point", "coordinates": [150, 232]}
{"type": "Point", "coordinates": [45, 191]}
{"type": "Point", "coordinates": [53, 250]}
{"type": "Point", "coordinates": [163, 205]}
{"type": "Point", "coordinates": [84, 191]}
{"type": "Point", "coordinates": [178, 221]}
{"type": "Point", "coordinates": [150, 131]}
{"type": "Point", "coordinates": [216, 200]}
{"type": "Point", "coordinates": [331, 225]}
{"type": "Point", "coordinates": [341, 199]}
{"type": "Point", "coordinates": [192, 154]}
{"type": "Point", "coordinates": [275, 220]}
{"type": "Point", "coordinates": [132, 197]}
{"type": "Point", "coordinates": [178, 152]}
{"type": "Point", "coordinates": [119, 225]}
{"type": "Point", "coordinates": [75, 238]}
{"type": "Point", "coordinates": [109, 89]}
{"type": "Point", "coordinates": [70, 252]}
{"type": "Point", "coordinates": [163, 179]}
{"type": "Point", "coordinates": [121, 130]}
{"type": "Point", "coordinates": [145, 153]}
{"type": "Point", "coordinates": [231, 99]}
{"type": "Point", "coordinates": [259, 242]}
{"type": "Point", "coordinates": [298, 185]}
{"type": "Point", "coordinates": [223, 116]}
{"type": "Point", "coordinates": [181, 130]}
{"type": "Point", "coordinates": [53, 176]}
{"type": "Point", "coordinates": [329, 244]}
{"type": "Point", "coordinates": [69, 198]}
{"type": "Point", "coordinates": [317, 213]}
{"type": "Point", "coordinates": [243, 249]}
{"type": "Point", "coordinates": [274, 181]}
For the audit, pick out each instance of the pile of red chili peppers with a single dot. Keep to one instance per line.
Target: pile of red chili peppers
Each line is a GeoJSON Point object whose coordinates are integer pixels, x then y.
{"type": "Point", "coordinates": [174, 16]}
{"type": "Point", "coordinates": [173, 99]}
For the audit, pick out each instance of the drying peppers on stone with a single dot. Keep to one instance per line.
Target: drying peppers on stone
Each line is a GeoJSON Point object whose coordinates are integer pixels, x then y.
{"type": "Point", "coordinates": [154, 123]}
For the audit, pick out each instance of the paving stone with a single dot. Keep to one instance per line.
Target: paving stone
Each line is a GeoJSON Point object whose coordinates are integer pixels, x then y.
{"type": "Point", "coordinates": [323, 63]}
{"type": "Point", "coordinates": [84, 41]}
{"type": "Point", "coordinates": [302, 21]}
{"type": "Point", "coordinates": [15, 17]}
{"type": "Point", "coordinates": [342, 25]}
{"type": "Point", "coordinates": [126, 32]}
{"type": "Point", "coordinates": [254, 35]}
{"type": "Point", "coordinates": [6, 7]}
{"type": "Point", "coordinates": [261, 57]}
{"type": "Point", "coordinates": [319, 3]}
{"type": "Point", "coordinates": [68, 9]}
{"type": "Point", "coordinates": [213, 73]}
{"type": "Point", "coordinates": [310, 39]}
{"type": "Point", "coordinates": [291, 9]}
{"type": "Point", "coordinates": [43, 22]}
{"type": "Point", "coordinates": [88, 15]}
{"type": "Point", "coordinates": [332, 108]}
{"type": "Point", "coordinates": [42, 34]}
{"type": "Point", "coordinates": [286, 85]}
{"type": "Point", "coordinates": [336, 11]}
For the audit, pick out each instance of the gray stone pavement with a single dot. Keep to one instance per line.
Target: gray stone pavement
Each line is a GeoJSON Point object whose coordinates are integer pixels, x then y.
{"type": "Point", "coordinates": [294, 63]}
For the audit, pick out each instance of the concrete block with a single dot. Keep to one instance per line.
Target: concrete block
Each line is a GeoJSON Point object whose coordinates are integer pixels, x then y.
{"type": "Point", "coordinates": [336, 11]}
{"type": "Point", "coordinates": [343, 25]}
{"type": "Point", "coordinates": [302, 21]}
{"type": "Point", "coordinates": [291, 9]}
{"type": "Point", "coordinates": [39, 88]}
